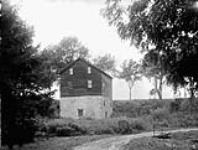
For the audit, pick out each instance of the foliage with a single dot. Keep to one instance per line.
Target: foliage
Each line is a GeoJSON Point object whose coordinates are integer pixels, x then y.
{"type": "Point", "coordinates": [70, 130]}
{"type": "Point", "coordinates": [131, 72]}
{"type": "Point", "coordinates": [128, 118]}
{"type": "Point", "coordinates": [60, 143]}
{"type": "Point", "coordinates": [159, 114]}
{"type": "Point", "coordinates": [105, 63]}
{"type": "Point", "coordinates": [178, 141]}
{"type": "Point", "coordinates": [167, 26]}
{"type": "Point", "coordinates": [124, 127]}
{"type": "Point", "coordinates": [66, 51]}
{"type": "Point", "coordinates": [138, 108]}
{"type": "Point", "coordinates": [69, 127]}
{"type": "Point", "coordinates": [22, 78]}
{"type": "Point", "coordinates": [152, 68]}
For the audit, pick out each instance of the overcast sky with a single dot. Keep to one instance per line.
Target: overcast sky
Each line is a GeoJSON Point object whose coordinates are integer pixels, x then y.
{"type": "Point", "coordinates": [54, 19]}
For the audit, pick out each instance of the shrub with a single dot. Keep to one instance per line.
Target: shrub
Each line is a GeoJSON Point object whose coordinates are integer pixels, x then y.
{"type": "Point", "coordinates": [106, 130]}
{"type": "Point", "coordinates": [189, 105]}
{"type": "Point", "coordinates": [65, 127]}
{"type": "Point", "coordinates": [69, 130]}
{"type": "Point", "coordinates": [175, 105]}
{"type": "Point", "coordinates": [138, 108]}
{"type": "Point", "coordinates": [140, 125]}
{"type": "Point", "coordinates": [160, 114]}
{"type": "Point", "coordinates": [124, 127]}
{"type": "Point", "coordinates": [65, 131]}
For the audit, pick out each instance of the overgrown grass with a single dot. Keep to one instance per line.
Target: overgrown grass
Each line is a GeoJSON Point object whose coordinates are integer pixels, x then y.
{"type": "Point", "coordinates": [178, 141]}
{"type": "Point", "coordinates": [129, 118]}
{"type": "Point", "coordinates": [160, 113]}
{"type": "Point", "coordinates": [138, 108]}
{"type": "Point", "coordinates": [69, 127]}
{"type": "Point", "coordinates": [59, 143]}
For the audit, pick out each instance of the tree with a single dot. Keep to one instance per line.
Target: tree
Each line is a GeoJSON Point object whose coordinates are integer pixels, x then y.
{"type": "Point", "coordinates": [66, 51]}
{"type": "Point", "coordinates": [152, 68]}
{"type": "Point", "coordinates": [105, 63]}
{"type": "Point", "coordinates": [168, 26]}
{"type": "Point", "coordinates": [131, 72]}
{"type": "Point", "coordinates": [22, 78]}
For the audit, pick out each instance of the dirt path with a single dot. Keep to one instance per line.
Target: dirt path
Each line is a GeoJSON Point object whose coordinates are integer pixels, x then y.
{"type": "Point", "coordinates": [116, 142]}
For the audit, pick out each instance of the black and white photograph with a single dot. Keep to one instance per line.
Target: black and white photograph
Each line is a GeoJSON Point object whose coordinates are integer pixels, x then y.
{"type": "Point", "coordinates": [99, 74]}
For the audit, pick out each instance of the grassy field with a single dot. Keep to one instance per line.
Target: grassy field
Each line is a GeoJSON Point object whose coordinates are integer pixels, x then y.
{"type": "Point", "coordinates": [167, 113]}
{"type": "Point", "coordinates": [58, 143]}
{"type": "Point", "coordinates": [178, 141]}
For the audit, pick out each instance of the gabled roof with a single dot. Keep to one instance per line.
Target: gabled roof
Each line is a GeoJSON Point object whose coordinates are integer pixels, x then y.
{"type": "Point", "coordinates": [89, 64]}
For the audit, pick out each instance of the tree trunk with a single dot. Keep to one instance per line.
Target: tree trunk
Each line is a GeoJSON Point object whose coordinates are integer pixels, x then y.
{"type": "Point", "coordinates": [160, 88]}
{"type": "Point", "coordinates": [159, 94]}
{"type": "Point", "coordinates": [192, 94]}
{"type": "Point", "coordinates": [130, 93]}
{"type": "Point", "coordinates": [8, 112]}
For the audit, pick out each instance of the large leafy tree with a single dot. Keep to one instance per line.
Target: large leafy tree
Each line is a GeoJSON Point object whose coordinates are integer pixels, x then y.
{"type": "Point", "coordinates": [130, 72]}
{"type": "Point", "coordinates": [66, 51]}
{"type": "Point", "coordinates": [22, 78]}
{"type": "Point", "coordinates": [106, 63]}
{"type": "Point", "coordinates": [152, 68]}
{"type": "Point", "coordinates": [166, 25]}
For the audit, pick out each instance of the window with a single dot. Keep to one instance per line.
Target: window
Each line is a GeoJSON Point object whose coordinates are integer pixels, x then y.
{"type": "Point", "coordinates": [80, 112]}
{"type": "Point", "coordinates": [106, 114]}
{"type": "Point", "coordinates": [89, 82]}
{"type": "Point", "coordinates": [71, 72]}
{"type": "Point", "coordinates": [89, 70]}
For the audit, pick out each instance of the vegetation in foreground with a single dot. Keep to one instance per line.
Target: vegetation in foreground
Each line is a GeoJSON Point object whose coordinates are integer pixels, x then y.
{"type": "Point", "coordinates": [59, 143]}
{"type": "Point", "coordinates": [129, 118]}
{"type": "Point", "coordinates": [178, 141]}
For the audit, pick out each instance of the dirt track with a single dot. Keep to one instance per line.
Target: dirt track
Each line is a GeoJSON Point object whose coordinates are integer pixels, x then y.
{"type": "Point", "coordinates": [116, 142]}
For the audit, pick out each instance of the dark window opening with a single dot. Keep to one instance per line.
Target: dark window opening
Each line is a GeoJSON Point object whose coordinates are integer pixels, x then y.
{"type": "Point", "coordinates": [80, 112]}
{"type": "Point", "coordinates": [105, 114]}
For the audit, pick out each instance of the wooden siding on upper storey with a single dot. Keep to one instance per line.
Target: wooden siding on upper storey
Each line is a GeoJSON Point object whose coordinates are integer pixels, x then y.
{"type": "Point", "coordinates": [77, 84]}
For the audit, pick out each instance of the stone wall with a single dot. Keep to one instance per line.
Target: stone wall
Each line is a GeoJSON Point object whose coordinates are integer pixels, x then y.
{"type": "Point", "coordinates": [92, 106]}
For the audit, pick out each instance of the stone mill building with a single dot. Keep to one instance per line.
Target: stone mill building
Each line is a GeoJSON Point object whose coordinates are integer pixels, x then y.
{"type": "Point", "coordinates": [85, 91]}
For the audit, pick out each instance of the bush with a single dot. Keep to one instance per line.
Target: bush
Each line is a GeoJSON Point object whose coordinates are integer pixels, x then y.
{"type": "Point", "coordinates": [69, 127]}
{"type": "Point", "coordinates": [106, 130]}
{"type": "Point", "coordinates": [138, 108]}
{"type": "Point", "coordinates": [175, 105]}
{"type": "Point", "coordinates": [160, 114]}
{"type": "Point", "coordinates": [67, 130]}
{"type": "Point", "coordinates": [124, 127]}
{"type": "Point", "coordinates": [189, 105]}
{"type": "Point", "coordinates": [185, 119]}
{"type": "Point", "coordinates": [141, 125]}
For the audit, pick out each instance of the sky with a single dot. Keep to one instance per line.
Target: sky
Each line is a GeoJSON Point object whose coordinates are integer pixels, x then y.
{"type": "Point", "coordinates": [54, 19]}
